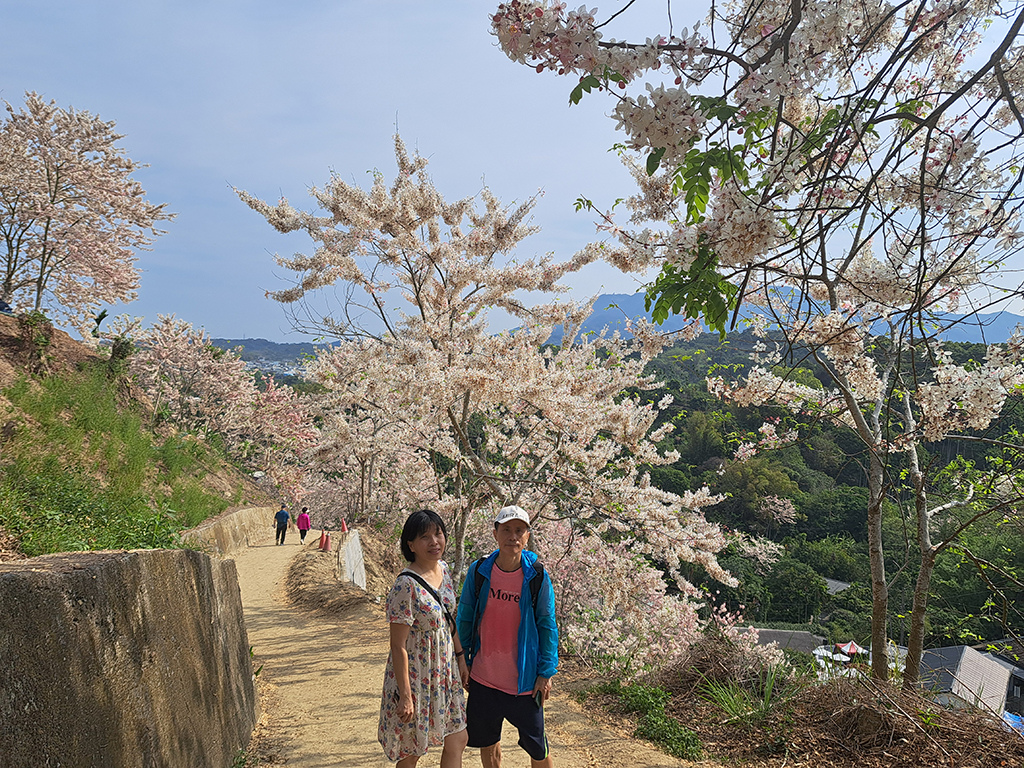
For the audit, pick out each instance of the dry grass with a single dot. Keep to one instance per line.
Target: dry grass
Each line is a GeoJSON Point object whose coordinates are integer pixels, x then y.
{"type": "Point", "coordinates": [312, 582]}
{"type": "Point", "coordinates": [842, 724]}
{"type": "Point", "coordinates": [9, 549]}
{"type": "Point", "coordinates": [312, 585]}
{"type": "Point", "coordinates": [853, 723]}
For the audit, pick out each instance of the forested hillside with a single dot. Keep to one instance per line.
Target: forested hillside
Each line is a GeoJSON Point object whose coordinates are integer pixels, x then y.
{"type": "Point", "coordinates": [810, 496]}
{"type": "Point", "coordinates": [262, 349]}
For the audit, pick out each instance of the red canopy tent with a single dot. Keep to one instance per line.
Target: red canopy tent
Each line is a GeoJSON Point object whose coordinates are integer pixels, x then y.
{"type": "Point", "coordinates": [850, 648]}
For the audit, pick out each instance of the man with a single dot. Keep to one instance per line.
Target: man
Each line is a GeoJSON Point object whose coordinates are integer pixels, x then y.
{"type": "Point", "coordinates": [281, 518]}
{"type": "Point", "coordinates": [506, 624]}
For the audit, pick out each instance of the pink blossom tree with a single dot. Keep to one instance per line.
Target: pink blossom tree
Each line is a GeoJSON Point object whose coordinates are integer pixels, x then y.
{"type": "Point", "coordinates": [369, 471]}
{"type": "Point", "coordinates": [843, 176]}
{"type": "Point", "coordinates": [193, 383]}
{"type": "Point", "coordinates": [277, 433]}
{"type": "Point", "coordinates": [71, 215]}
{"type": "Point", "coordinates": [207, 390]}
{"type": "Point", "coordinates": [503, 417]}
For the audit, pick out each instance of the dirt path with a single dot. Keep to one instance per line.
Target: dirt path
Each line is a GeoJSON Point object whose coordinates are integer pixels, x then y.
{"type": "Point", "coordinates": [321, 680]}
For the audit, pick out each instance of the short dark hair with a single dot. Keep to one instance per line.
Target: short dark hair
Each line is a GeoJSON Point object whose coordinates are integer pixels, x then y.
{"type": "Point", "coordinates": [416, 525]}
{"type": "Point", "coordinates": [305, 508]}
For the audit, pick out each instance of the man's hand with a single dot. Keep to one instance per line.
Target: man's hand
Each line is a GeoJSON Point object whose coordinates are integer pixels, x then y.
{"type": "Point", "coordinates": [543, 685]}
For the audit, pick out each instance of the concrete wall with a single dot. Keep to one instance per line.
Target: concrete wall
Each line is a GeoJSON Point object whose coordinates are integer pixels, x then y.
{"type": "Point", "coordinates": [123, 660]}
{"type": "Point", "coordinates": [233, 530]}
{"type": "Point", "coordinates": [350, 558]}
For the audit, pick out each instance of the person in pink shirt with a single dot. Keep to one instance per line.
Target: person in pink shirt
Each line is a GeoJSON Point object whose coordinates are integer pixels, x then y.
{"type": "Point", "coordinates": [303, 524]}
{"type": "Point", "coordinates": [506, 623]}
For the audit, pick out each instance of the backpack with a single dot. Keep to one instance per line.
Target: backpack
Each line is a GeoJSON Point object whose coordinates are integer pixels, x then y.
{"type": "Point", "coordinates": [535, 583]}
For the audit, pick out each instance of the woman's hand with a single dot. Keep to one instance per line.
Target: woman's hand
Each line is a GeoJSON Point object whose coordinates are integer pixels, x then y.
{"type": "Point", "coordinates": [464, 672]}
{"type": "Point", "coordinates": [400, 660]}
{"type": "Point", "coordinates": [406, 709]}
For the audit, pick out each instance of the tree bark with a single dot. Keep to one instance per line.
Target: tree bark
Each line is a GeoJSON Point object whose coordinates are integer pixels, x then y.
{"type": "Point", "coordinates": [461, 522]}
{"type": "Point", "coordinates": [915, 644]}
{"type": "Point", "coordinates": [879, 585]}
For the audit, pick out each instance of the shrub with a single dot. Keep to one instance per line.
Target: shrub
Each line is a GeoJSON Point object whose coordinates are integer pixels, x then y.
{"type": "Point", "coordinates": [655, 724]}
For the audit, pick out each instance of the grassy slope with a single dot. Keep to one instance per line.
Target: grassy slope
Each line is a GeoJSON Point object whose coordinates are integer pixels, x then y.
{"type": "Point", "coordinates": [80, 467]}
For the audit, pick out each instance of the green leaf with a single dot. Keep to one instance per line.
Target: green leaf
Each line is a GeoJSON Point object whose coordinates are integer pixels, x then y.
{"type": "Point", "coordinates": [699, 292]}
{"type": "Point", "coordinates": [654, 160]}
{"type": "Point", "coordinates": [587, 84]}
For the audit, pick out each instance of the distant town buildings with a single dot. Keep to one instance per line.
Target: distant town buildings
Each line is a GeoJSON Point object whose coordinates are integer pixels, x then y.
{"type": "Point", "coordinates": [275, 367]}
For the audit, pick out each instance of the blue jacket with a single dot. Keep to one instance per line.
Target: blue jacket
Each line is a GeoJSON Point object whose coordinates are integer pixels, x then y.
{"type": "Point", "coordinates": [538, 635]}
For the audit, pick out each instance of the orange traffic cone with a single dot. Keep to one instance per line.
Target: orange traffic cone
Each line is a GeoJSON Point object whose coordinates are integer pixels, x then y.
{"type": "Point", "coordinates": [344, 528]}
{"type": "Point", "coordinates": [323, 535]}
{"type": "Point", "coordinates": [327, 542]}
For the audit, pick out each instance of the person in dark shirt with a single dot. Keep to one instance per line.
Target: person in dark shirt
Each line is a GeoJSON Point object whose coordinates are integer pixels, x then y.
{"type": "Point", "coordinates": [281, 520]}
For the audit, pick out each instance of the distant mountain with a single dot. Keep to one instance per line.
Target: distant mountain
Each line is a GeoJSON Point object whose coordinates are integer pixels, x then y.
{"type": "Point", "coordinates": [988, 329]}
{"type": "Point", "coordinates": [612, 309]}
{"type": "Point", "coordinates": [271, 351]}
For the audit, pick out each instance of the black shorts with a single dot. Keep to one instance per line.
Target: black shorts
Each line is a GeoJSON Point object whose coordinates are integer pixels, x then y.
{"type": "Point", "coordinates": [486, 710]}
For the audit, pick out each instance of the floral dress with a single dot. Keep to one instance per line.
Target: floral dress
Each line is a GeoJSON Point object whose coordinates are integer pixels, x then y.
{"type": "Point", "coordinates": [438, 699]}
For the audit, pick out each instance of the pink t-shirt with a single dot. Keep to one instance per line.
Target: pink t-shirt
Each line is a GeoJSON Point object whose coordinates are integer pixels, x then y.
{"type": "Point", "coordinates": [303, 522]}
{"type": "Point", "coordinates": [495, 664]}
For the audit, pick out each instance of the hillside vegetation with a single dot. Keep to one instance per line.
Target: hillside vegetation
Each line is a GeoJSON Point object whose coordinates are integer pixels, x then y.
{"type": "Point", "coordinates": [83, 462]}
{"type": "Point", "coordinates": [810, 498]}
{"type": "Point", "coordinates": [823, 536]}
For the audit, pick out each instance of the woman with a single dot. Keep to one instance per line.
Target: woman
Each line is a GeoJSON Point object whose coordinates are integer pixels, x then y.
{"type": "Point", "coordinates": [423, 704]}
{"type": "Point", "coordinates": [303, 524]}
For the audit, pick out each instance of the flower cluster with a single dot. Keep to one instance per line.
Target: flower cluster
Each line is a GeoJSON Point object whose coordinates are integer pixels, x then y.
{"type": "Point", "coordinates": [769, 439]}
{"type": "Point", "coordinates": [502, 417]}
{"type": "Point", "coordinates": [612, 606]}
{"type": "Point", "coordinates": [963, 398]}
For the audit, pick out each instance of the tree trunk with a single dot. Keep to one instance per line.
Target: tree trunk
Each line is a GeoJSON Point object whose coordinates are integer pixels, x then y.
{"type": "Point", "coordinates": [879, 586]}
{"type": "Point", "coordinates": [361, 505]}
{"type": "Point", "coordinates": [915, 645]}
{"type": "Point", "coordinates": [459, 534]}
{"type": "Point", "coordinates": [371, 489]}
{"type": "Point", "coordinates": [868, 426]}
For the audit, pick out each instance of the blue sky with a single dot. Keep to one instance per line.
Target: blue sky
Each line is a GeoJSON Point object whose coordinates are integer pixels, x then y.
{"type": "Point", "coordinates": [270, 97]}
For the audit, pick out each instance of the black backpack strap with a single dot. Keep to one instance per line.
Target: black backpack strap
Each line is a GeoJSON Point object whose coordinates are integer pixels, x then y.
{"type": "Point", "coordinates": [447, 614]}
{"type": "Point", "coordinates": [478, 578]}
{"type": "Point", "coordinates": [536, 583]}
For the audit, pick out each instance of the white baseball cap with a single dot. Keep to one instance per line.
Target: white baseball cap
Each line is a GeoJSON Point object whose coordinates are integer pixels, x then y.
{"type": "Point", "coordinates": [511, 512]}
